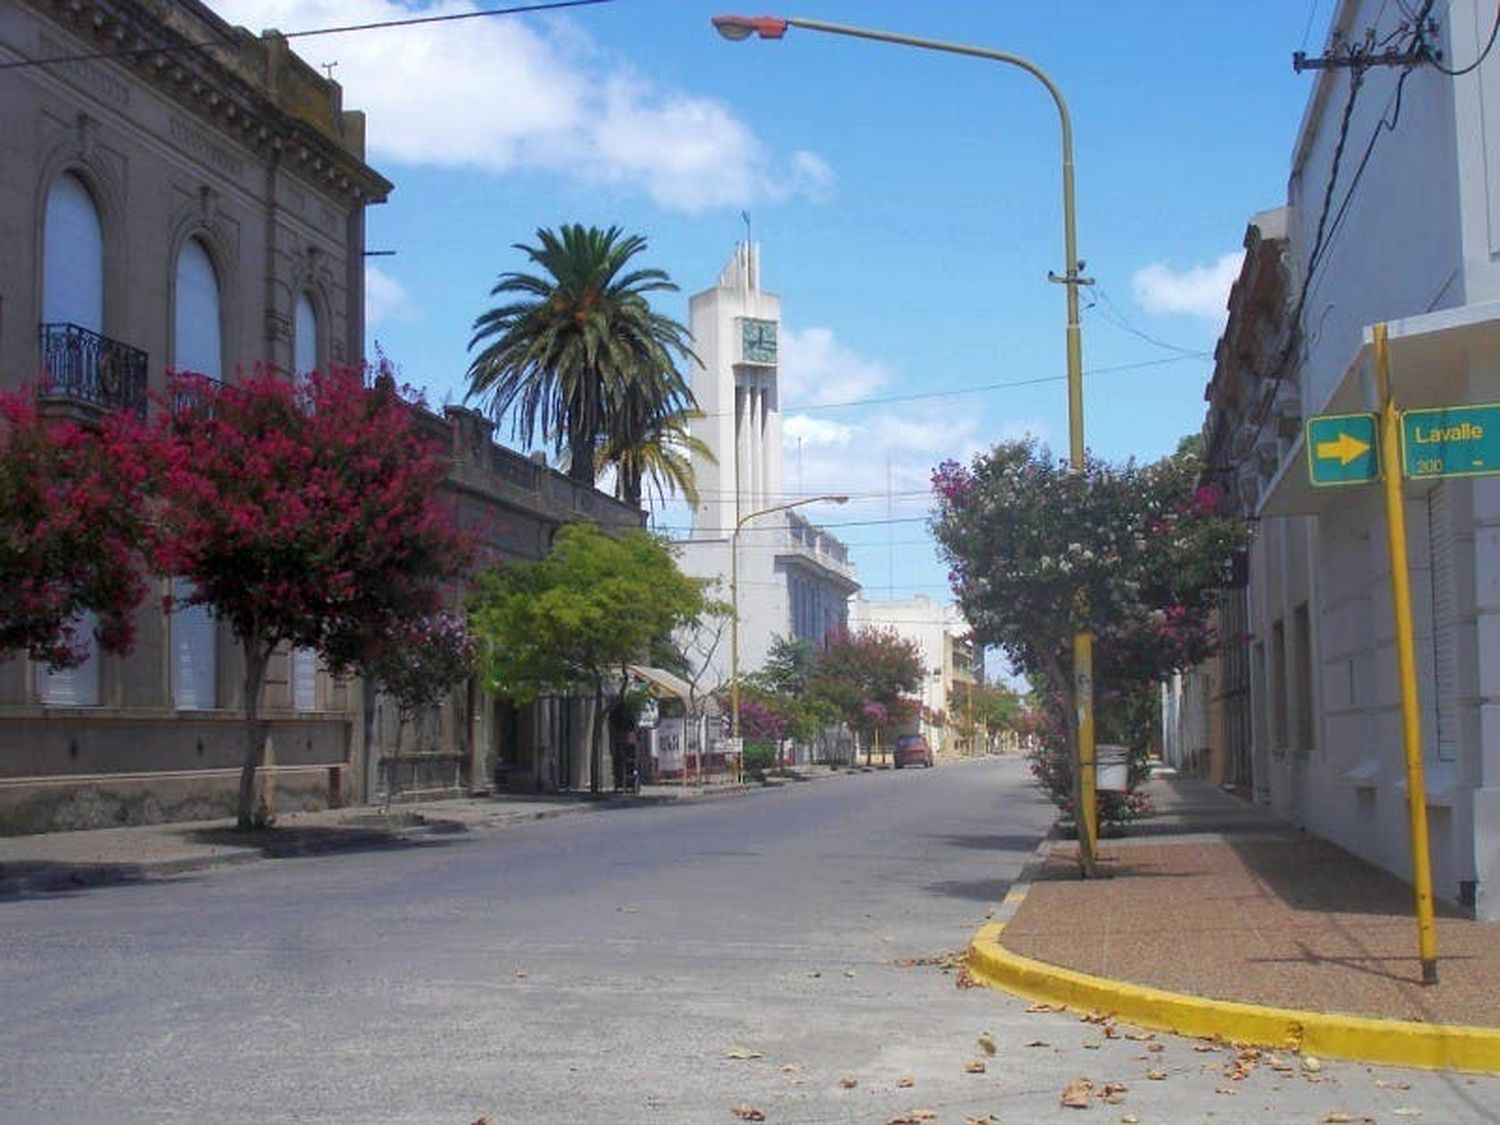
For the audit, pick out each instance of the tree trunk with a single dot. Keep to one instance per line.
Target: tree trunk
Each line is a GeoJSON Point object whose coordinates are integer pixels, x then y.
{"type": "Point", "coordinates": [1063, 684]}
{"type": "Point", "coordinates": [581, 459]}
{"type": "Point", "coordinates": [630, 486]}
{"type": "Point", "coordinates": [395, 770]}
{"type": "Point", "coordinates": [246, 813]}
{"type": "Point", "coordinates": [597, 727]}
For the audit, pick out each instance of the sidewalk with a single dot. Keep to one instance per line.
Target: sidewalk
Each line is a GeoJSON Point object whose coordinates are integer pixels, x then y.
{"type": "Point", "coordinates": [1215, 917]}
{"type": "Point", "coordinates": [57, 861]}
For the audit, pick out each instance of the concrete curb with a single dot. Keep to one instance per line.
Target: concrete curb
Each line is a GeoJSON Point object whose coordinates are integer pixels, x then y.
{"type": "Point", "coordinates": [1359, 1038]}
{"type": "Point", "coordinates": [65, 877]}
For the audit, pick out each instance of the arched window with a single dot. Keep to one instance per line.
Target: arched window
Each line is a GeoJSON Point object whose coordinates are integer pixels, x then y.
{"type": "Point", "coordinates": [305, 336]}
{"type": "Point", "coordinates": [72, 293]}
{"type": "Point", "coordinates": [72, 257]}
{"type": "Point", "coordinates": [196, 346]}
{"type": "Point", "coordinates": [196, 341]}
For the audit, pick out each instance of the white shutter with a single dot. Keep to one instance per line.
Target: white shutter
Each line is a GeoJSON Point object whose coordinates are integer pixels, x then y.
{"type": "Point", "coordinates": [194, 654]}
{"type": "Point", "coordinates": [304, 679]}
{"type": "Point", "coordinates": [196, 342]}
{"type": "Point", "coordinates": [1444, 659]}
{"type": "Point", "coordinates": [305, 337]}
{"type": "Point", "coordinates": [73, 687]}
{"type": "Point", "coordinates": [72, 257]}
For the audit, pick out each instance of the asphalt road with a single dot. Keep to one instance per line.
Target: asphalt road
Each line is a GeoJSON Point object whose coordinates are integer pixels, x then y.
{"type": "Point", "coordinates": [663, 964]}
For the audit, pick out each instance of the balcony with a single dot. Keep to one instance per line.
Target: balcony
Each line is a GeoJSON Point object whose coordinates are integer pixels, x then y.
{"type": "Point", "coordinates": [83, 366]}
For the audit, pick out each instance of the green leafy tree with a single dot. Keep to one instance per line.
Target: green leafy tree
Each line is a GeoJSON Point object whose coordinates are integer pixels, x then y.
{"type": "Point", "coordinates": [648, 443]}
{"type": "Point", "coordinates": [580, 617]}
{"type": "Point", "coordinates": [417, 663]}
{"type": "Point", "coordinates": [983, 709]}
{"type": "Point", "coordinates": [1131, 553]}
{"type": "Point", "coordinates": [578, 354]}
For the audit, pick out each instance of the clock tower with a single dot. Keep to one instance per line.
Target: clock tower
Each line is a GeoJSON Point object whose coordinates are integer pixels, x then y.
{"type": "Point", "coordinates": [736, 329]}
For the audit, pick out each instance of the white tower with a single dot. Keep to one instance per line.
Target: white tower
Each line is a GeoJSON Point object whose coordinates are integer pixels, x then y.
{"type": "Point", "coordinates": [736, 329]}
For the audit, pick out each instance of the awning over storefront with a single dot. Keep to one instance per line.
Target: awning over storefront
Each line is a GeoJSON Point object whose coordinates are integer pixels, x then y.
{"type": "Point", "coordinates": [1444, 358]}
{"type": "Point", "coordinates": [669, 685]}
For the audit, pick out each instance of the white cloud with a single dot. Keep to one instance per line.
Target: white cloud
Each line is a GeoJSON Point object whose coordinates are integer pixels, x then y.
{"type": "Point", "coordinates": [798, 430]}
{"type": "Point", "coordinates": [386, 299]}
{"type": "Point", "coordinates": [817, 370]}
{"type": "Point", "coordinates": [1199, 291]}
{"type": "Point", "coordinates": [503, 94]}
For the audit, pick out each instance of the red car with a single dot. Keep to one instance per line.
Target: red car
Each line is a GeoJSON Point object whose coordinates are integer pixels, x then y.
{"type": "Point", "coordinates": [912, 750]}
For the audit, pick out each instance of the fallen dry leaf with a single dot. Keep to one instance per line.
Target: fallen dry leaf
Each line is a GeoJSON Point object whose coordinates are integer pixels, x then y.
{"type": "Point", "coordinates": [848, 1083]}
{"type": "Point", "coordinates": [915, 1117]}
{"type": "Point", "coordinates": [1338, 1117]}
{"type": "Point", "coordinates": [1093, 1015]}
{"type": "Point", "coordinates": [987, 1043]}
{"type": "Point", "coordinates": [747, 1112]}
{"type": "Point", "coordinates": [1225, 1090]}
{"type": "Point", "coordinates": [906, 1082]}
{"type": "Point", "coordinates": [1076, 1093]}
{"type": "Point", "coordinates": [1114, 1088]}
{"type": "Point", "coordinates": [1039, 1007]}
{"type": "Point", "coordinates": [1204, 1048]}
{"type": "Point", "coordinates": [849, 973]}
{"type": "Point", "coordinates": [1311, 1065]}
{"type": "Point", "coordinates": [522, 974]}
{"type": "Point", "coordinates": [1156, 1047]}
{"type": "Point", "coordinates": [1407, 1111]}
{"type": "Point", "coordinates": [974, 1066]}
{"type": "Point", "coordinates": [1130, 1119]}
{"type": "Point", "coordinates": [1140, 1036]}
{"type": "Point", "coordinates": [1156, 1075]}
{"type": "Point", "coordinates": [789, 1068]}
{"type": "Point", "coordinates": [1038, 1043]}
{"type": "Point", "coordinates": [739, 1051]}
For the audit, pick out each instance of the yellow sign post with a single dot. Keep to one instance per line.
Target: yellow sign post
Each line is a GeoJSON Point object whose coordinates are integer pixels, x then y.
{"type": "Point", "coordinates": [1406, 660]}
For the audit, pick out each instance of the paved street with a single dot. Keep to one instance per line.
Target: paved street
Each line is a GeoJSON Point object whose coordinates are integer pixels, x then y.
{"type": "Point", "coordinates": [609, 968]}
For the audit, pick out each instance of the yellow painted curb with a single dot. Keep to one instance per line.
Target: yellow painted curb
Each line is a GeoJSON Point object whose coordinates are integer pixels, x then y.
{"type": "Point", "coordinates": [1393, 1042]}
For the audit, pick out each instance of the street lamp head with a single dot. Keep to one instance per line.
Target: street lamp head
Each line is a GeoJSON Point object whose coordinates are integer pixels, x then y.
{"type": "Point", "coordinates": [736, 28]}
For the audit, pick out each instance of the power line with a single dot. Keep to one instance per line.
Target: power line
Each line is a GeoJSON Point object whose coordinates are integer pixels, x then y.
{"type": "Point", "coordinates": [1433, 56]}
{"type": "Point", "coordinates": [307, 33]}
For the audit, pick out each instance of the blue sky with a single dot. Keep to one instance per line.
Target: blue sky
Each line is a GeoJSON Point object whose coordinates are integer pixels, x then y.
{"type": "Point", "coordinates": [907, 203]}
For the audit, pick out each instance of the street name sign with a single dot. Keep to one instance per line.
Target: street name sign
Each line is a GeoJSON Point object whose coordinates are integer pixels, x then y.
{"type": "Point", "coordinates": [1451, 441]}
{"type": "Point", "coordinates": [1342, 449]}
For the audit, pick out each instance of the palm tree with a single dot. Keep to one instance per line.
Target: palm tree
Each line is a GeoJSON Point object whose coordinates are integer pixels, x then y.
{"type": "Point", "coordinates": [580, 349]}
{"type": "Point", "coordinates": [655, 445]}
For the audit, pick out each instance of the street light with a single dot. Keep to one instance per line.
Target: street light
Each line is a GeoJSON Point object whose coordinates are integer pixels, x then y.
{"type": "Point", "coordinates": [734, 596]}
{"type": "Point", "coordinates": [737, 28]}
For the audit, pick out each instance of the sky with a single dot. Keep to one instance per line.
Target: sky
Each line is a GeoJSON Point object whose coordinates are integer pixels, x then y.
{"type": "Point", "coordinates": [908, 206]}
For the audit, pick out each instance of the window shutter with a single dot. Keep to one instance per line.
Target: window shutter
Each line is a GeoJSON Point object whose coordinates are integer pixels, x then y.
{"type": "Point", "coordinates": [1444, 664]}
{"type": "Point", "coordinates": [73, 687]}
{"type": "Point", "coordinates": [194, 655]}
{"type": "Point", "coordinates": [304, 679]}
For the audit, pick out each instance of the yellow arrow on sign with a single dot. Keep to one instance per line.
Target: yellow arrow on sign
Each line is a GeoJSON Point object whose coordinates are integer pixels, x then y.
{"type": "Point", "coordinates": [1345, 447]}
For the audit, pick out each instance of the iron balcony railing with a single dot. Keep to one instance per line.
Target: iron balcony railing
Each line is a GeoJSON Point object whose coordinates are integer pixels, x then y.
{"type": "Point", "coordinates": [87, 367]}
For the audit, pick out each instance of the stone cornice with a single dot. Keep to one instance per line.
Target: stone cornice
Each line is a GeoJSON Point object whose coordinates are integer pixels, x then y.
{"type": "Point", "coordinates": [252, 89]}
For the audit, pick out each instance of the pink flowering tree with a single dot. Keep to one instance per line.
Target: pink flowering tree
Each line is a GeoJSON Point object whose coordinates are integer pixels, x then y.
{"type": "Point", "coordinates": [1130, 553]}
{"type": "Point", "coordinates": [302, 512]}
{"type": "Point", "coordinates": [869, 677]}
{"type": "Point", "coordinates": [71, 530]}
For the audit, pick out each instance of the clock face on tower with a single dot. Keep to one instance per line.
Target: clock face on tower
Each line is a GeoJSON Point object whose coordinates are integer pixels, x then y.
{"type": "Point", "coordinates": [757, 341]}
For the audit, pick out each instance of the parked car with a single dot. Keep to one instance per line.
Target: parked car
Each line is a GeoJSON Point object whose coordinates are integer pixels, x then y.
{"type": "Point", "coordinates": [912, 750]}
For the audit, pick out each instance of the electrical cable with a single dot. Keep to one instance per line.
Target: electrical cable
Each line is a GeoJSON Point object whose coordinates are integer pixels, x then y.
{"type": "Point", "coordinates": [204, 45]}
{"type": "Point", "coordinates": [1432, 57]}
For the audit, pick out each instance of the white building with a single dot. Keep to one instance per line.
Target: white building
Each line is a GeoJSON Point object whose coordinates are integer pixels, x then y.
{"type": "Point", "coordinates": [1393, 215]}
{"type": "Point", "coordinates": [794, 579]}
{"type": "Point", "coordinates": [942, 635]}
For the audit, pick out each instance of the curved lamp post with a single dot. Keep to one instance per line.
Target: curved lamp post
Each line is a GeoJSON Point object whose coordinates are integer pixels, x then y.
{"type": "Point", "coordinates": [734, 596]}
{"type": "Point", "coordinates": [775, 27]}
